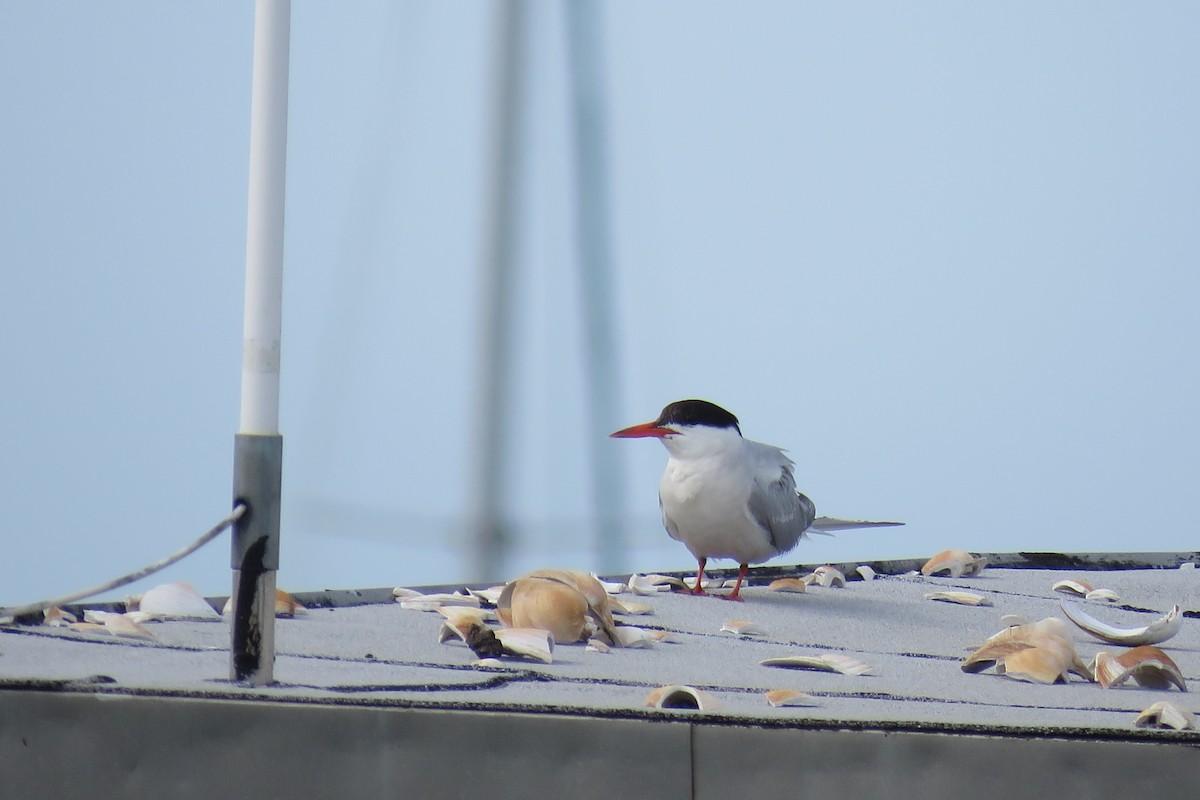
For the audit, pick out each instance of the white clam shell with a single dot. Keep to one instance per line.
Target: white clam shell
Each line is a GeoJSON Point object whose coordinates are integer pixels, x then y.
{"type": "Point", "coordinates": [1158, 631]}
{"type": "Point", "coordinates": [865, 572]}
{"type": "Point", "coordinates": [527, 643]}
{"type": "Point", "coordinates": [823, 662]}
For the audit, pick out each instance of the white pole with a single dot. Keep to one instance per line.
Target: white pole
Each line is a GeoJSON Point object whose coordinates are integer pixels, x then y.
{"type": "Point", "coordinates": [258, 447]}
{"type": "Point", "coordinates": [264, 223]}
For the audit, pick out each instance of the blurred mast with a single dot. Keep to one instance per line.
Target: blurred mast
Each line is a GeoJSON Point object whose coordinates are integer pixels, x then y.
{"type": "Point", "coordinates": [490, 529]}
{"type": "Point", "coordinates": [593, 236]}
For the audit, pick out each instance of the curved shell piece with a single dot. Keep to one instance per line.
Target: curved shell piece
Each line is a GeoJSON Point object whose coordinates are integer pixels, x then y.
{"type": "Point", "coordinates": [743, 628]}
{"type": "Point", "coordinates": [630, 607]}
{"type": "Point", "coordinates": [432, 602]}
{"type": "Point", "coordinates": [678, 696]}
{"type": "Point", "coordinates": [962, 598]}
{"type": "Point", "coordinates": [488, 597]}
{"type": "Point", "coordinates": [1166, 715]}
{"type": "Point", "coordinates": [599, 605]}
{"type": "Point", "coordinates": [632, 636]}
{"type": "Point", "coordinates": [789, 697]}
{"type": "Point", "coordinates": [824, 662]}
{"type": "Point", "coordinates": [116, 624]}
{"type": "Point", "coordinates": [1049, 634]}
{"type": "Point", "coordinates": [1037, 664]}
{"type": "Point", "coordinates": [1147, 665]}
{"type": "Point", "coordinates": [956, 563]}
{"type": "Point", "coordinates": [652, 584]}
{"type": "Point", "coordinates": [1107, 595]}
{"type": "Point", "coordinates": [178, 600]}
{"type": "Point", "coordinates": [1156, 632]}
{"type": "Point", "coordinates": [788, 585]}
{"type": "Point", "coordinates": [546, 604]}
{"type": "Point", "coordinates": [404, 593]}
{"type": "Point", "coordinates": [527, 643]}
{"type": "Point", "coordinates": [55, 617]}
{"type": "Point", "coordinates": [828, 576]}
{"type": "Point", "coordinates": [865, 572]}
{"type": "Point", "coordinates": [612, 587]}
{"type": "Point", "coordinates": [1072, 586]}
{"type": "Point", "coordinates": [597, 646]}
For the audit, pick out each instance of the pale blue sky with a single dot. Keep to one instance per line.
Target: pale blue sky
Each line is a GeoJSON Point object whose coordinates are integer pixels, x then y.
{"type": "Point", "coordinates": [945, 254]}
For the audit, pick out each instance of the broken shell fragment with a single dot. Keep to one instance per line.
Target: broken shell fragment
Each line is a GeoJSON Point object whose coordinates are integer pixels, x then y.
{"type": "Point", "coordinates": [432, 602]}
{"type": "Point", "coordinates": [527, 643]}
{"type": "Point", "coordinates": [683, 697]}
{"type": "Point", "coordinates": [403, 593]}
{"type": "Point", "coordinates": [824, 662]}
{"type": "Point", "coordinates": [116, 624]}
{"type": "Point", "coordinates": [827, 576]}
{"type": "Point", "coordinates": [652, 584]}
{"type": "Point", "coordinates": [459, 621]}
{"type": "Point", "coordinates": [865, 572]}
{"type": "Point", "coordinates": [1107, 595]}
{"type": "Point", "coordinates": [788, 585]}
{"type": "Point", "coordinates": [1007, 651]}
{"type": "Point", "coordinates": [1147, 665]}
{"type": "Point", "coordinates": [287, 606]}
{"type": "Point", "coordinates": [1037, 664]}
{"type": "Point", "coordinates": [630, 607]}
{"type": "Point", "coordinates": [962, 598]}
{"type": "Point", "coordinates": [1166, 715]}
{"type": "Point", "coordinates": [789, 697]}
{"type": "Point", "coordinates": [1072, 586]}
{"type": "Point", "coordinates": [956, 563]}
{"type": "Point", "coordinates": [178, 600]}
{"type": "Point", "coordinates": [597, 646]}
{"type": "Point", "coordinates": [489, 596]}
{"type": "Point", "coordinates": [632, 636]}
{"type": "Point", "coordinates": [743, 628]}
{"type": "Point", "coordinates": [1012, 620]}
{"type": "Point", "coordinates": [1156, 632]}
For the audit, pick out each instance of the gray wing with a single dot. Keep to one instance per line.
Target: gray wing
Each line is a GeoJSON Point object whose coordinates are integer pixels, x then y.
{"type": "Point", "coordinates": [777, 506]}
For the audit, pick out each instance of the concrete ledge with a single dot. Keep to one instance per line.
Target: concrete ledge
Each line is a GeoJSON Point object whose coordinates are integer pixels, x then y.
{"type": "Point", "coordinates": [53, 744]}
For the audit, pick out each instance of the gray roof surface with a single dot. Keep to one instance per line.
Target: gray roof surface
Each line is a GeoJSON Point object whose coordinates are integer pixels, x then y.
{"type": "Point", "coordinates": [380, 654]}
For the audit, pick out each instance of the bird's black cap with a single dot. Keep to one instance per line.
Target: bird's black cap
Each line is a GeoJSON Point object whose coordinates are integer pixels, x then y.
{"type": "Point", "coordinates": [697, 412]}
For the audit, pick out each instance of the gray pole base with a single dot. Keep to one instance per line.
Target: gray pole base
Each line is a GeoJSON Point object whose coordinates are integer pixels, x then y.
{"type": "Point", "coordinates": [254, 557]}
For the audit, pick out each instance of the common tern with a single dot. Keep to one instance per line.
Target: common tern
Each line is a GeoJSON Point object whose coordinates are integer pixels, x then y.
{"type": "Point", "coordinates": [725, 496]}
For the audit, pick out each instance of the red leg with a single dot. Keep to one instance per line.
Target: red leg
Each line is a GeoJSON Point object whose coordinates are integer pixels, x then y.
{"type": "Point", "coordinates": [737, 586]}
{"type": "Point", "coordinates": [699, 587]}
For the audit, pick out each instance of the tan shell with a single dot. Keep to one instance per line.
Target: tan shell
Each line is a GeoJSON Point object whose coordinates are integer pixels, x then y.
{"type": "Point", "coordinates": [488, 596]}
{"type": "Point", "coordinates": [1107, 595]}
{"type": "Point", "coordinates": [1166, 715]}
{"type": "Point", "coordinates": [527, 643]}
{"type": "Point", "coordinates": [1057, 655]}
{"type": "Point", "coordinates": [55, 617]}
{"type": "Point", "coordinates": [1147, 665]}
{"type": "Point", "coordinates": [547, 604]}
{"type": "Point", "coordinates": [682, 697]}
{"type": "Point", "coordinates": [955, 562]}
{"type": "Point", "coordinates": [962, 598]}
{"type": "Point", "coordinates": [116, 624]}
{"type": "Point", "coordinates": [1048, 664]}
{"type": "Point", "coordinates": [824, 662]}
{"type": "Point", "coordinates": [632, 636]}
{"type": "Point", "coordinates": [788, 585]}
{"type": "Point", "coordinates": [789, 697]}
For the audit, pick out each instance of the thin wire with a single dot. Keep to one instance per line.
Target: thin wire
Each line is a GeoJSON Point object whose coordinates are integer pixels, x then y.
{"type": "Point", "coordinates": [32, 608]}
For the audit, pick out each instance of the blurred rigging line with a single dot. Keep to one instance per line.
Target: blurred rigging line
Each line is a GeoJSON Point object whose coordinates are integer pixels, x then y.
{"type": "Point", "coordinates": [489, 527]}
{"type": "Point", "coordinates": [593, 237]}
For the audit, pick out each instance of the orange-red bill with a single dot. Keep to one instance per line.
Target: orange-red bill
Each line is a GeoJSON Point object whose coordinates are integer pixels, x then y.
{"type": "Point", "coordinates": [645, 430]}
